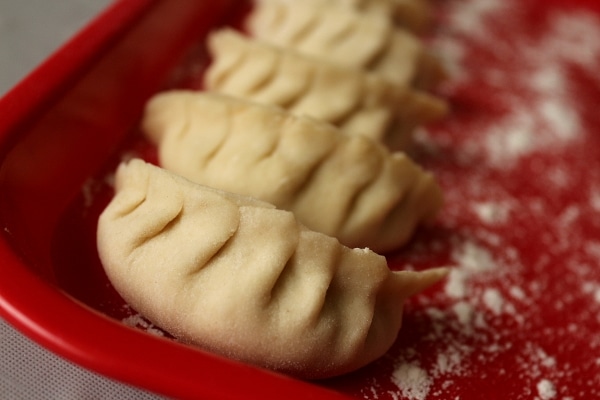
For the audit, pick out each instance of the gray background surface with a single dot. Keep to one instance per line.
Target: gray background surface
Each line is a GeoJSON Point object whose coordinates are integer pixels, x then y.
{"type": "Point", "coordinates": [30, 30]}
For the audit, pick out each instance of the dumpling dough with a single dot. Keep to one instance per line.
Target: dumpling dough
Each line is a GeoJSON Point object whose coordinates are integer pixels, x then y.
{"type": "Point", "coordinates": [346, 36]}
{"type": "Point", "coordinates": [414, 15]}
{"type": "Point", "coordinates": [358, 102]}
{"type": "Point", "coordinates": [241, 278]}
{"type": "Point", "coordinates": [349, 187]}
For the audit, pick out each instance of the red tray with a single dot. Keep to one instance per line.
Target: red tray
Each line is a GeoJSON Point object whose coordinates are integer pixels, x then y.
{"type": "Point", "coordinates": [518, 159]}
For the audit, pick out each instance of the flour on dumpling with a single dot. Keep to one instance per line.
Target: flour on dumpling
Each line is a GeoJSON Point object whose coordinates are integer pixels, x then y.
{"type": "Point", "coordinates": [414, 15]}
{"type": "Point", "coordinates": [239, 277]}
{"type": "Point", "coordinates": [346, 36]}
{"type": "Point", "coordinates": [349, 187]}
{"type": "Point", "coordinates": [356, 101]}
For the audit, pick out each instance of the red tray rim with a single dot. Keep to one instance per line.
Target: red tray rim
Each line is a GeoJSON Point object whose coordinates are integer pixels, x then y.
{"type": "Point", "coordinates": [74, 330]}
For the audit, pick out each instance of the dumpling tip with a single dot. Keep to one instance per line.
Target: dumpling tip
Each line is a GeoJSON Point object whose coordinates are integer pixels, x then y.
{"type": "Point", "coordinates": [414, 282]}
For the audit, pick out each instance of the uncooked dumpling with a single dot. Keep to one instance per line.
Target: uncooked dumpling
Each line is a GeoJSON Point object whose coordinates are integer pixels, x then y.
{"type": "Point", "coordinates": [241, 278]}
{"type": "Point", "coordinates": [346, 36]}
{"type": "Point", "coordinates": [349, 187]}
{"type": "Point", "coordinates": [358, 102]}
{"type": "Point", "coordinates": [414, 15]}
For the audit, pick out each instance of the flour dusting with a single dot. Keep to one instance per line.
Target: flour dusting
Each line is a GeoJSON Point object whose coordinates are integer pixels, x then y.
{"type": "Point", "coordinates": [487, 312]}
{"type": "Point", "coordinates": [413, 382]}
{"type": "Point", "coordinates": [546, 390]}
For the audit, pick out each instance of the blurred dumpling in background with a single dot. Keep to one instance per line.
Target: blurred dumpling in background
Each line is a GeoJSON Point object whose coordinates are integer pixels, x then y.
{"type": "Point", "coordinates": [414, 15]}
{"type": "Point", "coordinates": [358, 102]}
{"type": "Point", "coordinates": [346, 36]}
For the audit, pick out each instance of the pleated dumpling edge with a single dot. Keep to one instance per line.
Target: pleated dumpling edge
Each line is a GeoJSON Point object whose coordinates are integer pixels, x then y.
{"type": "Point", "coordinates": [239, 277]}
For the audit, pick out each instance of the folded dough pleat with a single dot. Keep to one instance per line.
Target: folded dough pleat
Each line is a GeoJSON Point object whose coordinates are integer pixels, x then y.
{"type": "Point", "coordinates": [348, 37]}
{"type": "Point", "coordinates": [358, 102]}
{"type": "Point", "coordinates": [414, 15]}
{"type": "Point", "coordinates": [349, 187]}
{"type": "Point", "coordinates": [239, 277]}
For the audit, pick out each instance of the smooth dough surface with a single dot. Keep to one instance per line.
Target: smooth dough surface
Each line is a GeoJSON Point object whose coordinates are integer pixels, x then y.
{"type": "Point", "coordinates": [348, 37]}
{"type": "Point", "coordinates": [241, 278]}
{"type": "Point", "coordinates": [349, 187]}
{"type": "Point", "coordinates": [358, 102]}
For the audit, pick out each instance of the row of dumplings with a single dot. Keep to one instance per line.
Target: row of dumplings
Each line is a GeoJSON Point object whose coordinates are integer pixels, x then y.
{"type": "Point", "coordinates": [257, 237]}
{"type": "Point", "coordinates": [361, 73]}
{"type": "Point", "coordinates": [293, 116]}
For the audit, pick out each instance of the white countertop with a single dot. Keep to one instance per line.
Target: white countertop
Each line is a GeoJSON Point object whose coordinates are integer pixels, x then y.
{"type": "Point", "coordinates": [30, 30]}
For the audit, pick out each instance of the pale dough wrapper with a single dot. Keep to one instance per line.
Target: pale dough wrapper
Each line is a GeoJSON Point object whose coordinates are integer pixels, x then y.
{"type": "Point", "coordinates": [346, 36]}
{"type": "Point", "coordinates": [414, 15]}
{"type": "Point", "coordinates": [349, 187]}
{"type": "Point", "coordinates": [358, 102]}
{"type": "Point", "coordinates": [243, 279]}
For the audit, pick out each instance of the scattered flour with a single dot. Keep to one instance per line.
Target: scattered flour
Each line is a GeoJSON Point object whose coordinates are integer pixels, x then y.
{"type": "Point", "coordinates": [595, 199]}
{"type": "Point", "coordinates": [414, 382]}
{"type": "Point", "coordinates": [543, 112]}
{"type": "Point", "coordinates": [571, 39]}
{"type": "Point", "coordinates": [546, 390]}
{"type": "Point", "coordinates": [471, 259]}
{"type": "Point", "coordinates": [490, 212]}
{"type": "Point", "coordinates": [473, 318]}
{"type": "Point", "coordinates": [493, 300]}
{"type": "Point", "coordinates": [456, 283]}
{"type": "Point", "coordinates": [511, 138]}
{"type": "Point", "coordinates": [470, 19]}
{"type": "Point", "coordinates": [138, 321]}
{"type": "Point", "coordinates": [592, 289]}
{"type": "Point", "coordinates": [464, 312]}
{"type": "Point", "coordinates": [517, 293]}
{"type": "Point", "coordinates": [449, 361]}
{"type": "Point", "coordinates": [592, 248]}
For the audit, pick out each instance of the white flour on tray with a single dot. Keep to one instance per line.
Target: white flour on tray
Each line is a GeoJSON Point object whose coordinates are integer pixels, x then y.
{"type": "Point", "coordinates": [542, 116]}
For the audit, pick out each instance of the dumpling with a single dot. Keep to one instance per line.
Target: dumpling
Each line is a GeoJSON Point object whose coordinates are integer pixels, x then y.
{"type": "Point", "coordinates": [243, 279]}
{"type": "Point", "coordinates": [358, 102]}
{"type": "Point", "coordinates": [346, 36]}
{"type": "Point", "coordinates": [349, 187]}
{"type": "Point", "coordinates": [414, 15]}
